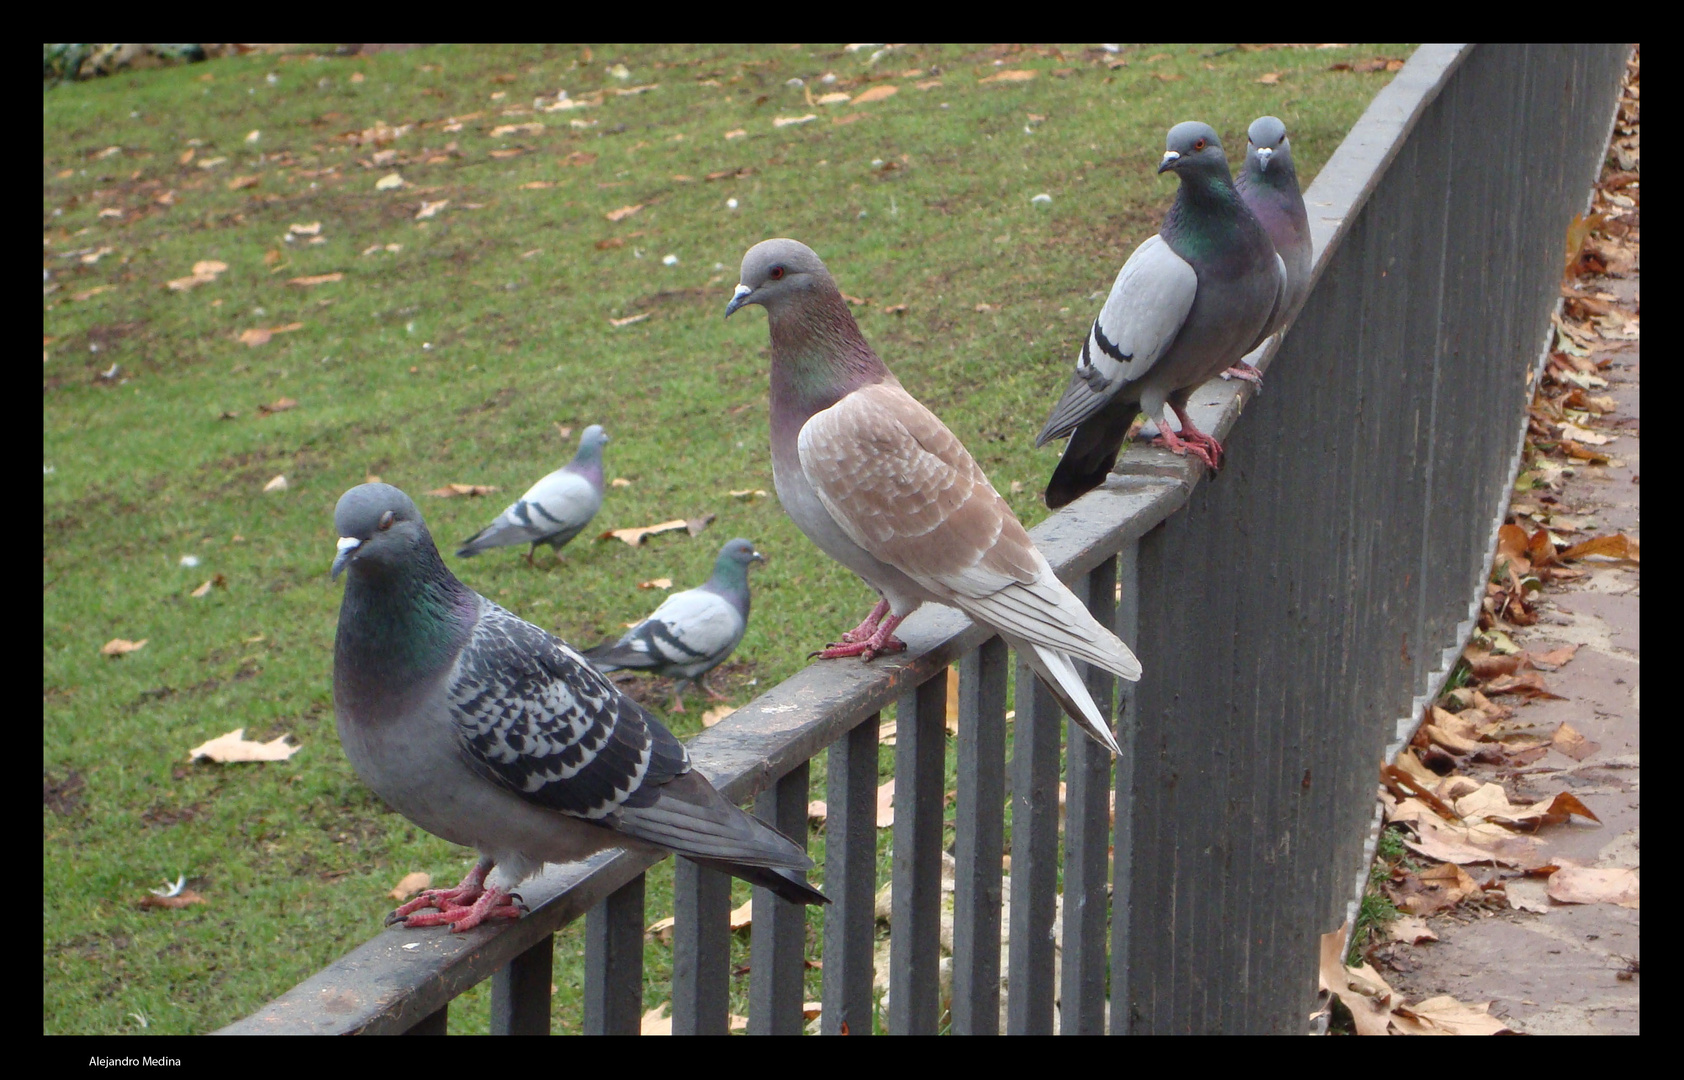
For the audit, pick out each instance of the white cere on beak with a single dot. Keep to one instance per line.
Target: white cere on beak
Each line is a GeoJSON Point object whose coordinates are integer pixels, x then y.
{"type": "Point", "coordinates": [346, 543]}
{"type": "Point", "coordinates": [1263, 155]}
{"type": "Point", "coordinates": [742, 291]}
{"type": "Point", "coordinates": [1169, 156]}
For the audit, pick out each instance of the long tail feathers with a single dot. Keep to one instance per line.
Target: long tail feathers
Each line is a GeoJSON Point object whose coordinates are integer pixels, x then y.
{"type": "Point", "coordinates": [1060, 676]}
{"type": "Point", "coordinates": [786, 884]}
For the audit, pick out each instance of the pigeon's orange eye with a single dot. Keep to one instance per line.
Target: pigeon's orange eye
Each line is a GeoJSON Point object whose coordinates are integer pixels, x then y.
{"type": "Point", "coordinates": [386, 521]}
{"type": "Point", "coordinates": [1200, 145]}
{"type": "Point", "coordinates": [777, 272]}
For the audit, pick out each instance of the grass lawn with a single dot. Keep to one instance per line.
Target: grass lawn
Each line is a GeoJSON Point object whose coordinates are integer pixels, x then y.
{"type": "Point", "coordinates": [469, 322]}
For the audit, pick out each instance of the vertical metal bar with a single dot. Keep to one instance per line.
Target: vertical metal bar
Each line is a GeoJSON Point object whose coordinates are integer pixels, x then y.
{"type": "Point", "coordinates": [850, 880]}
{"type": "Point", "coordinates": [979, 840]}
{"type": "Point", "coordinates": [778, 936]}
{"type": "Point", "coordinates": [434, 1023]}
{"type": "Point", "coordinates": [915, 916]}
{"type": "Point", "coordinates": [520, 992]}
{"type": "Point", "coordinates": [1087, 835]}
{"type": "Point", "coordinates": [701, 950]}
{"type": "Point", "coordinates": [614, 962]}
{"type": "Point", "coordinates": [1127, 627]}
{"type": "Point", "coordinates": [1035, 741]}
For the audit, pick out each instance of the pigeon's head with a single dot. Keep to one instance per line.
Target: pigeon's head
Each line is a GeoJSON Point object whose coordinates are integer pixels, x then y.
{"type": "Point", "coordinates": [592, 441]}
{"type": "Point", "coordinates": [776, 269]}
{"type": "Point", "coordinates": [1193, 147]}
{"type": "Point", "coordinates": [377, 524]}
{"type": "Point", "coordinates": [1267, 136]}
{"type": "Point", "coordinates": [739, 552]}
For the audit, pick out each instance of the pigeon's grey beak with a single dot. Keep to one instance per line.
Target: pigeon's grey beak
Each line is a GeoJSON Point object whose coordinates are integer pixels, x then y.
{"type": "Point", "coordinates": [1170, 158]}
{"type": "Point", "coordinates": [1264, 153]}
{"type": "Point", "coordinates": [737, 299]}
{"type": "Point", "coordinates": [347, 546]}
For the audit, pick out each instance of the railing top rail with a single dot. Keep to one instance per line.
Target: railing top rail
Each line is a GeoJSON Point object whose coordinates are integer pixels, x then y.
{"type": "Point", "coordinates": [400, 976]}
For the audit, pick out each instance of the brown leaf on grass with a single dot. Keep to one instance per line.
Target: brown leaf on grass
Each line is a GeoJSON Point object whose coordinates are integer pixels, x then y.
{"type": "Point", "coordinates": [220, 581]}
{"type": "Point", "coordinates": [429, 209]}
{"type": "Point", "coordinates": [122, 646]}
{"type": "Point", "coordinates": [695, 525]}
{"type": "Point", "coordinates": [316, 279]}
{"type": "Point", "coordinates": [537, 185]}
{"type": "Point", "coordinates": [748, 493]}
{"type": "Point", "coordinates": [579, 157]}
{"type": "Point", "coordinates": [533, 128]}
{"type": "Point", "coordinates": [657, 1021]}
{"type": "Point", "coordinates": [1362, 990]}
{"type": "Point", "coordinates": [817, 811]}
{"type": "Point", "coordinates": [1444, 1015]}
{"type": "Point", "coordinates": [450, 491]}
{"type": "Point", "coordinates": [610, 242]}
{"type": "Point", "coordinates": [618, 481]}
{"type": "Point", "coordinates": [410, 884]}
{"type": "Point", "coordinates": [1574, 745]}
{"type": "Point", "coordinates": [1617, 546]}
{"type": "Point", "coordinates": [876, 93]}
{"type": "Point", "coordinates": [623, 212]}
{"type": "Point", "coordinates": [89, 294]}
{"type": "Point", "coordinates": [1433, 889]}
{"type": "Point", "coordinates": [1594, 885]}
{"type": "Point", "coordinates": [234, 746]}
{"type": "Point", "coordinates": [1486, 666]}
{"type": "Point", "coordinates": [656, 583]}
{"type": "Point", "coordinates": [895, 309]}
{"type": "Point", "coordinates": [240, 182]}
{"type": "Point", "coordinates": [628, 320]}
{"type": "Point", "coordinates": [635, 536]}
{"type": "Point", "coordinates": [276, 483]}
{"type": "Point", "coordinates": [1269, 78]}
{"type": "Point", "coordinates": [716, 714]}
{"type": "Point", "coordinates": [1009, 77]}
{"type": "Point", "coordinates": [179, 900]}
{"type": "Point", "coordinates": [314, 228]}
{"type": "Point", "coordinates": [262, 335]}
{"type": "Point", "coordinates": [278, 405]}
{"type": "Point", "coordinates": [1403, 785]}
{"type": "Point", "coordinates": [886, 805]}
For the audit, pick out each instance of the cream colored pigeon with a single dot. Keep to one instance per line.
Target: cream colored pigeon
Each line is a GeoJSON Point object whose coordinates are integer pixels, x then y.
{"type": "Point", "coordinates": [883, 487]}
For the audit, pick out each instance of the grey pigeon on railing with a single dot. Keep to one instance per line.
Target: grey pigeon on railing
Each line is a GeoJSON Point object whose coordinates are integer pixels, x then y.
{"type": "Point", "coordinates": [1189, 302]}
{"type": "Point", "coordinates": [885, 489]}
{"type": "Point", "coordinates": [1269, 185]}
{"type": "Point", "coordinates": [692, 632]}
{"type": "Point", "coordinates": [555, 509]}
{"type": "Point", "coordinates": [492, 733]}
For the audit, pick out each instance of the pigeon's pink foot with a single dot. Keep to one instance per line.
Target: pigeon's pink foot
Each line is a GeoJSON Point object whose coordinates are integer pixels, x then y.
{"type": "Point", "coordinates": [1243, 370]}
{"type": "Point", "coordinates": [469, 891]}
{"type": "Point", "coordinates": [882, 641]}
{"type": "Point", "coordinates": [493, 903]}
{"type": "Point", "coordinates": [864, 630]}
{"type": "Point", "coordinates": [1190, 440]}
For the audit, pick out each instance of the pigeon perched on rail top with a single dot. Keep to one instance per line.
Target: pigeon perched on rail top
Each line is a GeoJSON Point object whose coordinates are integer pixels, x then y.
{"type": "Point", "coordinates": [1269, 185]}
{"type": "Point", "coordinates": [554, 510]}
{"type": "Point", "coordinates": [1189, 302]}
{"type": "Point", "coordinates": [692, 632]}
{"type": "Point", "coordinates": [884, 488]}
{"type": "Point", "coordinates": [492, 733]}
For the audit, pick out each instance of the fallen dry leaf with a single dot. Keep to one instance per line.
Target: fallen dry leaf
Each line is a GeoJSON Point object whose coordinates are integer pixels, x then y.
{"type": "Point", "coordinates": [410, 884]}
{"type": "Point", "coordinates": [656, 1021]}
{"type": "Point", "coordinates": [261, 335]}
{"type": "Point", "coordinates": [533, 128]}
{"type": "Point", "coordinates": [122, 646]}
{"type": "Point", "coordinates": [876, 93]}
{"type": "Point", "coordinates": [234, 746]}
{"type": "Point", "coordinates": [618, 481]}
{"type": "Point", "coordinates": [1410, 929]}
{"type": "Point", "coordinates": [1594, 885]}
{"type": "Point", "coordinates": [886, 805]}
{"type": "Point", "coordinates": [428, 209]}
{"type": "Point", "coordinates": [817, 811]}
{"type": "Point", "coordinates": [388, 182]}
{"type": "Point", "coordinates": [89, 294]}
{"type": "Point", "coordinates": [716, 714]}
{"type": "Point", "coordinates": [695, 525]}
{"type": "Point", "coordinates": [623, 212]}
{"type": "Point", "coordinates": [786, 121]}
{"type": "Point", "coordinates": [450, 491]}
{"type": "Point", "coordinates": [217, 582]}
{"type": "Point", "coordinates": [628, 320]}
{"type": "Point", "coordinates": [316, 279]}
{"type": "Point", "coordinates": [1444, 1015]}
{"type": "Point", "coordinates": [656, 583]}
{"type": "Point", "coordinates": [537, 185]}
{"type": "Point", "coordinates": [313, 228]}
{"type": "Point", "coordinates": [1269, 78]}
{"type": "Point", "coordinates": [1008, 76]}
{"type": "Point", "coordinates": [276, 483]}
{"type": "Point", "coordinates": [1556, 657]}
{"type": "Point", "coordinates": [635, 536]}
{"type": "Point", "coordinates": [278, 405]}
{"type": "Point", "coordinates": [1617, 546]}
{"type": "Point", "coordinates": [748, 493]}
{"type": "Point", "coordinates": [1567, 740]}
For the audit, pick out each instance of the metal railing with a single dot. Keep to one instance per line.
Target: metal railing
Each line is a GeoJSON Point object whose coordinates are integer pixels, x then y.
{"type": "Point", "coordinates": [1285, 621]}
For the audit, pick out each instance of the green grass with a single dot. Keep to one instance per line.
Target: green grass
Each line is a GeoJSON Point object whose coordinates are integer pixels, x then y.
{"type": "Point", "coordinates": [455, 358]}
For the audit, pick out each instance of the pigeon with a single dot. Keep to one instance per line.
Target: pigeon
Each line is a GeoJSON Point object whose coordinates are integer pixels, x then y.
{"type": "Point", "coordinates": [490, 732]}
{"type": "Point", "coordinates": [1189, 302]}
{"type": "Point", "coordinates": [1269, 185]}
{"type": "Point", "coordinates": [554, 510]}
{"type": "Point", "coordinates": [884, 488]}
{"type": "Point", "coordinates": [692, 632]}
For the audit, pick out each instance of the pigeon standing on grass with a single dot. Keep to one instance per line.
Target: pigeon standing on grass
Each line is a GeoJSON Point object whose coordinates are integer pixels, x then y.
{"type": "Point", "coordinates": [1269, 185]}
{"type": "Point", "coordinates": [492, 733]}
{"type": "Point", "coordinates": [692, 632]}
{"type": "Point", "coordinates": [885, 489]}
{"type": "Point", "coordinates": [554, 510]}
{"type": "Point", "coordinates": [1189, 302]}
